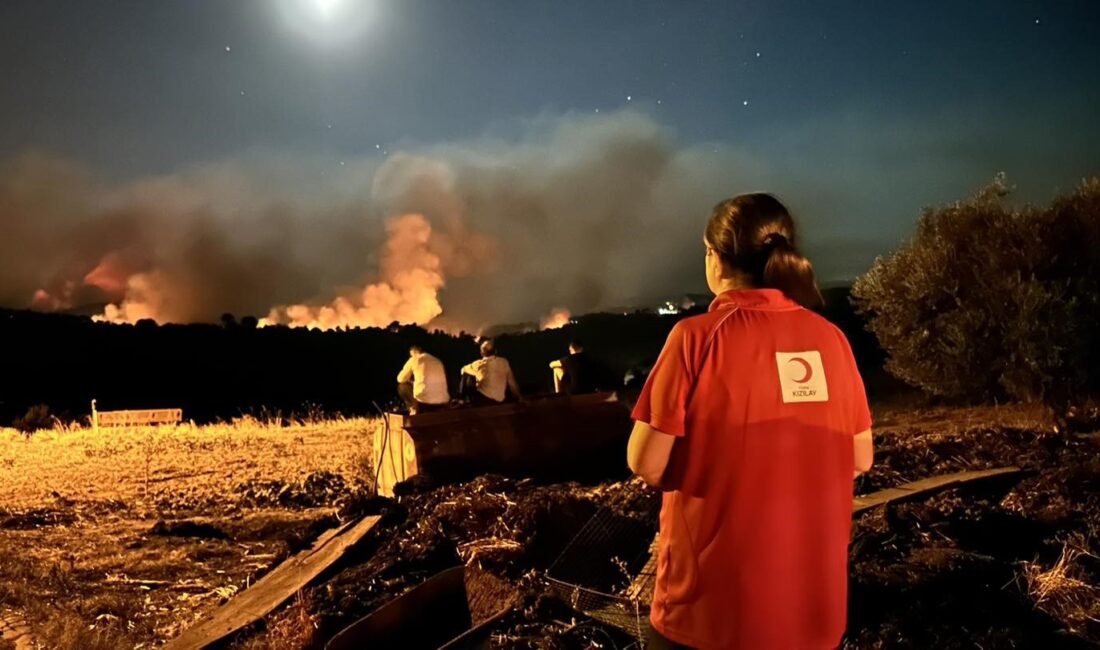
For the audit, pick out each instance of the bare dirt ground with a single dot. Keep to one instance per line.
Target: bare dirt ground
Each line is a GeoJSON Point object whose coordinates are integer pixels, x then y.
{"type": "Point", "coordinates": [122, 540]}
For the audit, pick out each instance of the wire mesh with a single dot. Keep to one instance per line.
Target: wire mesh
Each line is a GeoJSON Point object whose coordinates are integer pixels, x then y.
{"type": "Point", "coordinates": [607, 570]}
{"type": "Point", "coordinates": [618, 611]}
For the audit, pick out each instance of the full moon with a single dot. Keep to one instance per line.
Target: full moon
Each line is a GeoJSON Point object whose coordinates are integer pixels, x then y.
{"type": "Point", "coordinates": [327, 8]}
{"type": "Point", "coordinates": [327, 23]}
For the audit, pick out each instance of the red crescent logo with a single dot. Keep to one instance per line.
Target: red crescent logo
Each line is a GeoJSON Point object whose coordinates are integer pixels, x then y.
{"type": "Point", "coordinates": [806, 367]}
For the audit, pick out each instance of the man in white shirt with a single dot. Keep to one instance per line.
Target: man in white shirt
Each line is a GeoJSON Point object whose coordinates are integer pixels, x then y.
{"type": "Point", "coordinates": [488, 380]}
{"type": "Point", "coordinates": [422, 383]}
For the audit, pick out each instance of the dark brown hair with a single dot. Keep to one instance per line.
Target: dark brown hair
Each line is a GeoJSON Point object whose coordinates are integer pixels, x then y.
{"type": "Point", "coordinates": [754, 234]}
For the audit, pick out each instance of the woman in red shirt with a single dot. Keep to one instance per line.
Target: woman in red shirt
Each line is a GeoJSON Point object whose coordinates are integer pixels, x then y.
{"type": "Point", "coordinates": [754, 422]}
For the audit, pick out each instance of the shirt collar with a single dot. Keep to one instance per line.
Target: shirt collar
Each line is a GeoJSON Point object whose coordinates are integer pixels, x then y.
{"type": "Point", "coordinates": [767, 299]}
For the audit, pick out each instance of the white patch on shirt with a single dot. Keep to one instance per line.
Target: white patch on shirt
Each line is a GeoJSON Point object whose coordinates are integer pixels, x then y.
{"type": "Point", "coordinates": [802, 376]}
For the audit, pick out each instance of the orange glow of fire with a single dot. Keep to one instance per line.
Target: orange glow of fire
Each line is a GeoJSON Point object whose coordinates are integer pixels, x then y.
{"type": "Point", "coordinates": [146, 298]}
{"type": "Point", "coordinates": [558, 318]}
{"type": "Point", "coordinates": [110, 275]}
{"type": "Point", "coordinates": [408, 292]}
{"type": "Point", "coordinates": [45, 301]}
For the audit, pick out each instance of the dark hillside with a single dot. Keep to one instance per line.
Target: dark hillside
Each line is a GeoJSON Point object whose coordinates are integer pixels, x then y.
{"type": "Point", "coordinates": [211, 371]}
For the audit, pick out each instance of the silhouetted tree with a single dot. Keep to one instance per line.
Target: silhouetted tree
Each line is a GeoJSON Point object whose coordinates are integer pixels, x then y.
{"type": "Point", "coordinates": [990, 302]}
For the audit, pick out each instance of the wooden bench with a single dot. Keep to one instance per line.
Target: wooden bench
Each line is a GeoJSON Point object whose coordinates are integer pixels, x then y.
{"type": "Point", "coordinates": [134, 418]}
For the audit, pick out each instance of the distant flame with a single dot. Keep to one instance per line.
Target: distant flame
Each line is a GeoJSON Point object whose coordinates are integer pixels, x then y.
{"type": "Point", "coordinates": [147, 297]}
{"type": "Point", "coordinates": [45, 301]}
{"type": "Point", "coordinates": [558, 318]}
{"type": "Point", "coordinates": [412, 276]}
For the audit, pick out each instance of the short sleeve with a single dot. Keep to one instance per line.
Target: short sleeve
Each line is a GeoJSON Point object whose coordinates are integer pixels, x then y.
{"type": "Point", "coordinates": [860, 410]}
{"type": "Point", "coordinates": [663, 401]}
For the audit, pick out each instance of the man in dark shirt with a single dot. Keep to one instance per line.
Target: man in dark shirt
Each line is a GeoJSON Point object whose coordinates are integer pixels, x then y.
{"type": "Point", "coordinates": [583, 374]}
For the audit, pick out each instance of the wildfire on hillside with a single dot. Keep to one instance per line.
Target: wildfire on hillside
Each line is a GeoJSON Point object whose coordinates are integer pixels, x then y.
{"type": "Point", "coordinates": [557, 319]}
{"type": "Point", "coordinates": [412, 276]}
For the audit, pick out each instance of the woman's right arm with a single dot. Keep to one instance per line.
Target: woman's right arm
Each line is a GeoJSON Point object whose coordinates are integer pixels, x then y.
{"type": "Point", "coordinates": [647, 453]}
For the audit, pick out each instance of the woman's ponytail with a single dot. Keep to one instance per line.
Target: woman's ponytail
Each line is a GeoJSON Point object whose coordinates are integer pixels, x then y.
{"type": "Point", "coordinates": [789, 271]}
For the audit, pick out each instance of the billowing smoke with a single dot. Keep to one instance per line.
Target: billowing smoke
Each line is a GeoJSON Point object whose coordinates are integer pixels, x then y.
{"type": "Point", "coordinates": [408, 293]}
{"type": "Point", "coordinates": [458, 236]}
{"type": "Point", "coordinates": [577, 213]}
{"type": "Point", "coordinates": [183, 248]}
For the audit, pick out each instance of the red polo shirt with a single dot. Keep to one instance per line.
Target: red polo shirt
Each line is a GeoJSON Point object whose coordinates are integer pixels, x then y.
{"type": "Point", "coordinates": [765, 398]}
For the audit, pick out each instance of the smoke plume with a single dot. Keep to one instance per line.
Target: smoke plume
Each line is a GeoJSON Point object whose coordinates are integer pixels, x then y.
{"type": "Point", "coordinates": [578, 213]}
{"type": "Point", "coordinates": [457, 236]}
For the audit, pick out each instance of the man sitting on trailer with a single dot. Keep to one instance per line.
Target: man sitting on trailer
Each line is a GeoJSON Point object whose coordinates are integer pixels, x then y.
{"type": "Point", "coordinates": [422, 383]}
{"type": "Point", "coordinates": [488, 380]}
{"type": "Point", "coordinates": [581, 374]}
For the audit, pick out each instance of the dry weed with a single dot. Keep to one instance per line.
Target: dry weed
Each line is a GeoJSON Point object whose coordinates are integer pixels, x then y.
{"type": "Point", "coordinates": [292, 628]}
{"type": "Point", "coordinates": [1060, 590]}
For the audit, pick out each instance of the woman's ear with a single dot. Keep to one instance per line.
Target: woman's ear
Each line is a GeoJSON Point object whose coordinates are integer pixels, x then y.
{"type": "Point", "coordinates": [721, 270]}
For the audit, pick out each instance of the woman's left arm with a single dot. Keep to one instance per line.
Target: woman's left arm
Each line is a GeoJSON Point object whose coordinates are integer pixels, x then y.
{"type": "Point", "coordinates": [648, 452]}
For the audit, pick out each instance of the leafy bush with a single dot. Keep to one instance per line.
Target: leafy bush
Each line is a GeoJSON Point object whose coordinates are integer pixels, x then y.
{"type": "Point", "coordinates": [35, 419]}
{"type": "Point", "coordinates": [990, 302]}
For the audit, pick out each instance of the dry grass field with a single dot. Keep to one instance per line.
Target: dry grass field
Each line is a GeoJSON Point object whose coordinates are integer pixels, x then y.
{"type": "Point", "coordinates": [121, 538]}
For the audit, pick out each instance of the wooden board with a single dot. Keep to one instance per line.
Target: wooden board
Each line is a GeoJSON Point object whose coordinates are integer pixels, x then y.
{"type": "Point", "coordinates": [925, 486]}
{"type": "Point", "coordinates": [275, 588]}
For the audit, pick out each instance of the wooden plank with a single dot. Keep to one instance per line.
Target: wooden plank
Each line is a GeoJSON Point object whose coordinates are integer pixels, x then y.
{"type": "Point", "coordinates": [927, 485]}
{"type": "Point", "coordinates": [274, 589]}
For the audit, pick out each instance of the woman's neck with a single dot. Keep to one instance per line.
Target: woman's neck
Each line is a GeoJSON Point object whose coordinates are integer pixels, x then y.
{"type": "Point", "coordinates": [735, 283]}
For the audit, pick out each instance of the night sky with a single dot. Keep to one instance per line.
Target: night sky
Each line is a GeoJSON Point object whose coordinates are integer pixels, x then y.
{"type": "Point", "coordinates": [856, 113]}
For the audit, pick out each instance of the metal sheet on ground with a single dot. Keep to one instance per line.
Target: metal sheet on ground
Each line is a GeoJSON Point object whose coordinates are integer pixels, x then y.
{"type": "Point", "coordinates": [273, 589]}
